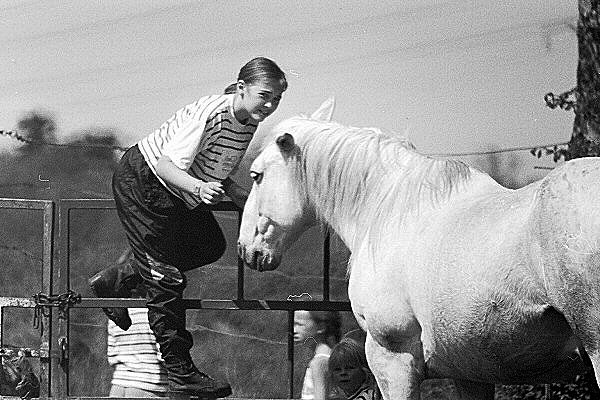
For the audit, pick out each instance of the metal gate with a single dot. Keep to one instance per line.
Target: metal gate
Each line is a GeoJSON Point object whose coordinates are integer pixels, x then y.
{"type": "Point", "coordinates": [53, 303]}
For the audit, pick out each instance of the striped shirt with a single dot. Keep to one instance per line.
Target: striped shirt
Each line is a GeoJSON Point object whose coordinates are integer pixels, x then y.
{"type": "Point", "coordinates": [203, 138]}
{"type": "Point", "coordinates": [135, 355]}
{"type": "Point", "coordinates": [365, 393]}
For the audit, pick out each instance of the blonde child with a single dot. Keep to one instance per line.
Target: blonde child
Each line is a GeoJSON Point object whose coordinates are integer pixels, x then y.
{"type": "Point", "coordinates": [320, 329]}
{"type": "Point", "coordinates": [350, 372]}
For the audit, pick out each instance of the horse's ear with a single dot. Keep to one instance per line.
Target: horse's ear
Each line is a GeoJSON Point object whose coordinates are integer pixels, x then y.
{"type": "Point", "coordinates": [325, 110]}
{"type": "Point", "coordinates": [285, 142]}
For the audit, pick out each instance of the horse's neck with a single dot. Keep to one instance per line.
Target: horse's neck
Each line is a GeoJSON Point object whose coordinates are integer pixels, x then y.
{"type": "Point", "coordinates": [379, 197]}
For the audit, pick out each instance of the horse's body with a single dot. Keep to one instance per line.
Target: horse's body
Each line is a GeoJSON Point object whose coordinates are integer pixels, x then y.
{"type": "Point", "coordinates": [451, 275]}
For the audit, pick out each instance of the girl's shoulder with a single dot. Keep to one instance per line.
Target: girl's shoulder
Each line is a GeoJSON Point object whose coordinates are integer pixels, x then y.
{"type": "Point", "coordinates": [319, 362]}
{"type": "Point", "coordinates": [208, 105]}
{"type": "Point", "coordinates": [322, 350]}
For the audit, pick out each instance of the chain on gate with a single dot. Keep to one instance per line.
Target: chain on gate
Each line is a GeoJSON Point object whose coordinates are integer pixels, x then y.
{"type": "Point", "coordinates": [43, 303]}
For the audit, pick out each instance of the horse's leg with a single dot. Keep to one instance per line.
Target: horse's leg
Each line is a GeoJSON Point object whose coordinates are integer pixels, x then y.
{"type": "Point", "coordinates": [399, 373]}
{"type": "Point", "coordinates": [468, 390]}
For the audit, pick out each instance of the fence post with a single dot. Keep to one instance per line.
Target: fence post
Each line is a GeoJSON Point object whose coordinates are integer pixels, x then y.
{"type": "Point", "coordinates": [46, 319]}
{"type": "Point", "coordinates": [240, 274]}
{"type": "Point", "coordinates": [326, 264]}
{"type": "Point", "coordinates": [290, 345]}
{"type": "Point", "coordinates": [60, 330]}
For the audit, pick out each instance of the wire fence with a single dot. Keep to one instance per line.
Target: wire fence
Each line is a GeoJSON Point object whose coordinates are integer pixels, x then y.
{"type": "Point", "coordinates": [19, 137]}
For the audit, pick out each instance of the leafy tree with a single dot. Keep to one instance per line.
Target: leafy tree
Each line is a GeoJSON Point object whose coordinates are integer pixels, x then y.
{"type": "Point", "coordinates": [39, 128]}
{"type": "Point", "coordinates": [584, 99]}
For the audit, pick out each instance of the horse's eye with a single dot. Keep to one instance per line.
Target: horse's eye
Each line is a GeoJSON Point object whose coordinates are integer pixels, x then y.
{"type": "Point", "coordinates": [256, 176]}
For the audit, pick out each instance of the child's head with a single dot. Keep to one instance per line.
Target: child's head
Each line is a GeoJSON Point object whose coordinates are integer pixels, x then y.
{"type": "Point", "coordinates": [323, 326]}
{"type": "Point", "coordinates": [348, 365]}
{"type": "Point", "coordinates": [258, 89]}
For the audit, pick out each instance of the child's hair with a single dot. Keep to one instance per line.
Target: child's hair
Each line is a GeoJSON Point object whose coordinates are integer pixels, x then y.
{"type": "Point", "coordinates": [330, 322]}
{"type": "Point", "coordinates": [348, 352]}
{"type": "Point", "coordinates": [256, 70]}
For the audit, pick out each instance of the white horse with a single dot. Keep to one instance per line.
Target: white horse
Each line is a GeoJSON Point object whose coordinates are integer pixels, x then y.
{"type": "Point", "coordinates": [451, 274]}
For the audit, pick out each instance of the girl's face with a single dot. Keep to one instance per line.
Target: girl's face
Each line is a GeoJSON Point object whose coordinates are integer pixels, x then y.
{"type": "Point", "coordinates": [258, 100]}
{"type": "Point", "coordinates": [304, 326]}
{"type": "Point", "coordinates": [348, 377]}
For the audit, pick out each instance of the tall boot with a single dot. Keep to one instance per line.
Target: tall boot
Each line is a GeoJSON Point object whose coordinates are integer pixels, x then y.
{"type": "Point", "coordinates": [185, 378]}
{"type": "Point", "coordinates": [116, 281]}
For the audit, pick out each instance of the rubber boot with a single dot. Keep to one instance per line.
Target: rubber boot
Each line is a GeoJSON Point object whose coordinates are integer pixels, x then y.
{"type": "Point", "coordinates": [115, 281]}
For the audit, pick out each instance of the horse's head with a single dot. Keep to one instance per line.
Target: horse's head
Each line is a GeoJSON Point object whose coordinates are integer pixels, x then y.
{"type": "Point", "coordinates": [277, 210]}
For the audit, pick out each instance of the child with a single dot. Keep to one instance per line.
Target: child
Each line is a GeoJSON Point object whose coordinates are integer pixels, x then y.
{"type": "Point", "coordinates": [159, 187]}
{"type": "Point", "coordinates": [322, 330]}
{"type": "Point", "coordinates": [350, 372]}
{"type": "Point", "coordinates": [134, 354]}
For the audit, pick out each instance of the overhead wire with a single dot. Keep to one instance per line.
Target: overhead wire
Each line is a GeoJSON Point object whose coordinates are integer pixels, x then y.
{"type": "Point", "coordinates": [505, 150]}
{"type": "Point", "coordinates": [128, 18]}
{"type": "Point", "coordinates": [16, 136]}
{"type": "Point", "coordinates": [151, 62]}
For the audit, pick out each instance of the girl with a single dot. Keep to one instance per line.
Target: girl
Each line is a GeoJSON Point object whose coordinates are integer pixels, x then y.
{"type": "Point", "coordinates": [321, 328]}
{"type": "Point", "coordinates": [350, 372]}
{"type": "Point", "coordinates": [159, 188]}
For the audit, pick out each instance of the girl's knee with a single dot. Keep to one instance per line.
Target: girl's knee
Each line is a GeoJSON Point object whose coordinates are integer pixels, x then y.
{"type": "Point", "coordinates": [216, 251]}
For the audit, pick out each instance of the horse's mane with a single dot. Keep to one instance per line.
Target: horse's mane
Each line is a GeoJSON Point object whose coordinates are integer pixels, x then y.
{"type": "Point", "coordinates": [367, 175]}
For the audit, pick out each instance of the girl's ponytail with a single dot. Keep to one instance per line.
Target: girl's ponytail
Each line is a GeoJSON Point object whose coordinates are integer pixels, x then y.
{"type": "Point", "coordinates": [232, 88]}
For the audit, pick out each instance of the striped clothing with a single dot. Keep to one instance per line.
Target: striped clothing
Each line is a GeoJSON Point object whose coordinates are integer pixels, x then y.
{"type": "Point", "coordinates": [135, 355]}
{"type": "Point", "coordinates": [203, 138]}
{"type": "Point", "coordinates": [365, 393]}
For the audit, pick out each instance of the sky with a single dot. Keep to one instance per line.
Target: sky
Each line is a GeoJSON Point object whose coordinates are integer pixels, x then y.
{"type": "Point", "coordinates": [453, 76]}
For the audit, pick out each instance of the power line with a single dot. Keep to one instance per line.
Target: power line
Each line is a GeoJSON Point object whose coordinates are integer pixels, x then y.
{"type": "Point", "coordinates": [506, 150]}
{"type": "Point", "coordinates": [97, 23]}
{"type": "Point", "coordinates": [151, 61]}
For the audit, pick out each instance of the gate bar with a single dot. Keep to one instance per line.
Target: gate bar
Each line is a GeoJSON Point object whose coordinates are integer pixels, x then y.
{"type": "Point", "coordinates": [47, 207]}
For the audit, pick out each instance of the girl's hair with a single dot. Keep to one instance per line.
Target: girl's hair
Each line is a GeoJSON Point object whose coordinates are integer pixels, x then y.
{"type": "Point", "coordinates": [256, 70]}
{"type": "Point", "coordinates": [330, 322]}
{"type": "Point", "coordinates": [348, 352]}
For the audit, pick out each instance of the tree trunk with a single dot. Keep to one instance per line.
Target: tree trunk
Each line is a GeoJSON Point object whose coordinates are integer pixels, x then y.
{"type": "Point", "coordinates": [585, 139]}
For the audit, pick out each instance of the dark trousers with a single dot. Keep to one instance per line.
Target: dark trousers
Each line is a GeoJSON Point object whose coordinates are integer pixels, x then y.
{"type": "Point", "coordinates": [167, 239]}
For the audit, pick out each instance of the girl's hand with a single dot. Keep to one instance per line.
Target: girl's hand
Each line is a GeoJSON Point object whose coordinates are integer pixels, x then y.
{"type": "Point", "coordinates": [209, 192]}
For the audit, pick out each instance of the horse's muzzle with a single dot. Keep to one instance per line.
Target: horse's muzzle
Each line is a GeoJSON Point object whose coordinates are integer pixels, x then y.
{"type": "Point", "coordinates": [257, 260]}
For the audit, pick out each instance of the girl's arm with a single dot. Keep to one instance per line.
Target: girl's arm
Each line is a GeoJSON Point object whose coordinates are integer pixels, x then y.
{"type": "Point", "coordinates": [320, 375]}
{"type": "Point", "coordinates": [238, 194]}
{"type": "Point", "coordinates": [209, 192]}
